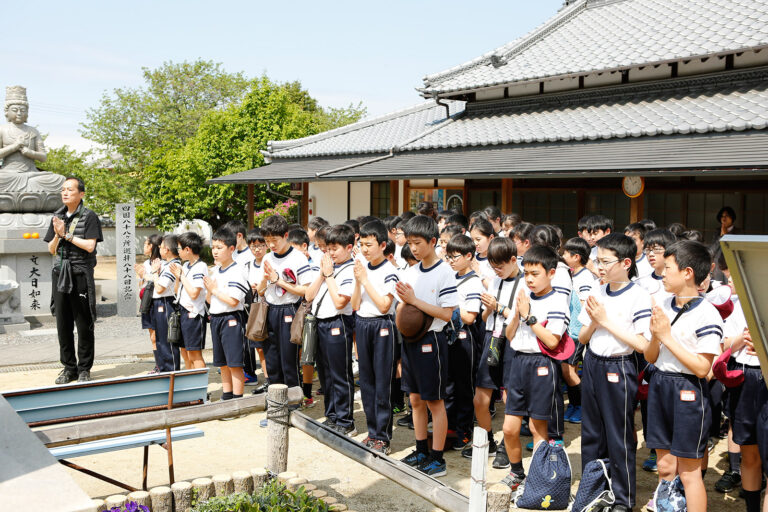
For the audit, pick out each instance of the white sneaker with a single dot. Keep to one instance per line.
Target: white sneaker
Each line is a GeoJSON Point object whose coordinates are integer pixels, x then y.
{"type": "Point", "coordinates": [355, 368]}
{"type": "Point", "coordinates": [358, 396]}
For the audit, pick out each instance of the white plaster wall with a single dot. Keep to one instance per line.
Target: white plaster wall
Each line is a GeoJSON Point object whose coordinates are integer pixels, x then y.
{"type": "Point", "coordinates": [650, 73]}
{"type": "Point", "coordinates": [562, 84]}
{"type": "Point", "coordinates": [359, 199]}
{"type": "Point", "coordinates": [596, 80]}
{"type": "Point", "coordinates": [696, 66]}
{"type": "Point", "coordinates": [751, 58]}
{"type": "Point", "coordinates": [523, 89]}
{"type": "Point", "coordinates": [330, 200]}
{"type": "Point", "coordinates": [490, 94]}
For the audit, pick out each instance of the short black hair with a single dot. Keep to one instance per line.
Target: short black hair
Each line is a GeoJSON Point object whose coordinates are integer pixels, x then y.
{"type": "Point", "coordinates": [492, 212]}
{"type": "Point", "coordinates": [406, 254]}
{"type": "Point", "coordinates": [81, 184]}
{"type": "Point", "coordinates": [582, 224]}
{"type": "Point", "coordinates": [522, 231]}
{"type": "Point", "coordinates": [375, 228]}
{"type": "Point", "coordinates": [293, 226]}
{"type": "Point", "coordinates": [389, 249]}
{"type": "Point", "coordinates": [426, 208]}
{"type": "Point", "coordinates": [479, 214]}
{"type": "Point", "coordinates": [365, 219]}
{"type": "Point", "coordinates": [600, 223]}
{"type": "Point", "coordinates": [542, 255]}
{"type": "Point", "coordinates": [623, 247]}
{"type": "Point", "coordinates": [407, 215]}
{"type": "Point", "coordinates": [341, 234]}
{"type": "Point", "coordinates": [457, 219]}
{"type": "Point", "coordinates": [392, 222]}
{"type": "Point", "coordinates": [227, 237]}
{"type": "Point", "coordinates": [171, 242]}
{"type": "Point", "coordinates": [460, 244]}
{"type": "Point", "coordinates": [648, 224]}
{"type": "Point", "coordinates": [501, 250]}
{"type": "Point", "coordinates": [661, 236]}
{"type": "Point", "coordinates": [316, 223]}
{"type": "Point", "coordinates": [578, 247]}
{"type": "Point", "coordinates": [192, 240]}
{"type": "Point", "coordinates": [298, 236]}
{"type": "Point", "coordinates": [484, 226]}
{"type": "Point", "coordinates": [452, 230]}
{"type": "Point", "coordinates": [238, 227]}
{"type": "Point", "coordinates": [512, 218]}
{"type": "Point", "coordinates": [422, 227]}
{"type": "Point", "coordinates": [353, 224]}
{"type": "Point", "coordinates": [255, 236]}
{"type": "Point", "coordinates": [724, 209]}
{"type": "Point", "coordinates": [692, 235]}
{"type": "Point", "coordinates": [676, 229]}
{"type": "Point", "coordinates": [274, 225]}
{"type": "Point", "coordinates": [636, 227]}
{"type": "Point", "coordinates": [444, 214]}
{"type": "Point", "coordinates": [694, 255]}
{"type": "Point", "coordinates": [544, 234]}
{"type": "Point", "coordinates": [322, 233]}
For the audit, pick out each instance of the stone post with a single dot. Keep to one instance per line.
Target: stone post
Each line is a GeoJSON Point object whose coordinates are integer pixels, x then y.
{"type": "Point", "coordinates": [125, 257]}
{"type": "Point", "coordinates": [277, 428]}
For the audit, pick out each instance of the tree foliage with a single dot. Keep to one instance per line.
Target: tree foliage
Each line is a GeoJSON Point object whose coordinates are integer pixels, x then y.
{"type": "Point", "coordinates": [229, 141]}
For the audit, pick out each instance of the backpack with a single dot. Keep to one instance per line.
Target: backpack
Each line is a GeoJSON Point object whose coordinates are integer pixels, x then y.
{"type": "Point", "coordinates": [548, 484]}
{"type": "Point", "coordinates": [595, 493]}
{"type": "Point", "coordinates": [669, 496]}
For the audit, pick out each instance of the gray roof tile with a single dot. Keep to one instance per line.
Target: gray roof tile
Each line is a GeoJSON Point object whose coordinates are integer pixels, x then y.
{"type": "Point", "coordinates": [590, 36]}
{"type": "Point", "coordinates": [370, 136]}
{"type": "Point", "coordinates": [736, 101]}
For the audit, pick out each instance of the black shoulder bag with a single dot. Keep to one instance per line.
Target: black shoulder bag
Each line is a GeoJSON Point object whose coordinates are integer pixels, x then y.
{"type": "Point", "coordinates": [174, 317]}
{"type": "Point", "coordinates": [309, 330]}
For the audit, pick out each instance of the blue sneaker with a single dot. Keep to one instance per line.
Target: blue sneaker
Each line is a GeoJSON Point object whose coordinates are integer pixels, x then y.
{"type": "Point", "coordinates": [415, 459]}
{"type": "Point", "coordinates": [525, 430]}
{"type": "Point", "coordinates": [568, 413]}
{"type": "Point", "coordinates": [250, 379]}
{"type": "Point", "coordinates": [529, 446]}
{"type": "Point", "coordinates": [576, 416]}
{"type": "Point", "coordinates": [650, 463]}
{"type": "Point", "coordinates": [433, 468]}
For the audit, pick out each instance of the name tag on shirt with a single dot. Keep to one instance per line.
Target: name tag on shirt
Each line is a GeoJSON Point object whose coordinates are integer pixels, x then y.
{"type": "Point", "coordinates": [687, 395]}
{"type": "Point", "coordinates": [384, 332]}
{"type": "Point", "coordinates": [191, 315]}
{"type": "Point", "coordinates": [462, 335]}
{"type": "Point", "coordinates": [288, 319]}
{"type": "Point", "coordinates": [425, 349]}
{"type": "Point", "coordinates": [160, 309]}
{"type": "Point", "coordinates": [335, 331]}
{"type": "Point", "coordinates": [542, 371]}
{"type": "Point", "coordinates": [232, 322]}
{"type": "Point", "coordinates": [612, 377]}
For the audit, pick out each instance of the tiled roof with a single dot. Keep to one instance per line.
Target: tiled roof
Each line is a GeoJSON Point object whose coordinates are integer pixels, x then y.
{"type": "Point", "coordinates": [734, 101]}
{"type": "Point", "coordinates": [370, 136]}
{"type": "Point", "coordinates": [602, 35]}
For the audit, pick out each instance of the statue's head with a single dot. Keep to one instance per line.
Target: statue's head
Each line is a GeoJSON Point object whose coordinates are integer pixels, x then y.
{"type": "Point", "coordinates": [16, 105]}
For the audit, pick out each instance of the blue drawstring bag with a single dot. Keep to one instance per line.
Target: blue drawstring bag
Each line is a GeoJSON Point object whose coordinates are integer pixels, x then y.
{"type": "Point", "coordinates": [548, 484]}
{"type": "Point", "coordinates": [595, 493]}
{"type": "Point", "coordinates": [670, 496]}
{"type": "Point", "coordinates": [574, 309]}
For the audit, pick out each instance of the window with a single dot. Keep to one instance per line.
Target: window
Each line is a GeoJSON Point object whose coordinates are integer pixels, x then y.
{"type": "Point", "coordinates": [380, 199]}
{"type": "Point", "coordinates": [611, 204]}
{"type": "Point", "coordinates": [545, 207]}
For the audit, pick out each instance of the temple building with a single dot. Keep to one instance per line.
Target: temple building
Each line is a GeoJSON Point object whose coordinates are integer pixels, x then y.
{"type": "Point", "coordinates": [563, 121]}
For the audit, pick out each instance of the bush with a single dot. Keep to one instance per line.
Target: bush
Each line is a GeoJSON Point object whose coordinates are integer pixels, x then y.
{"type": "Point", "coordinates": [273, 497]}
{"type": "Point", "coordinates": [288, 209]}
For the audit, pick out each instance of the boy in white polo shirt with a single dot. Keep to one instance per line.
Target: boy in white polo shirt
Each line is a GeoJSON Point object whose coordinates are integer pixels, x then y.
{"type": "Point", "coordinates": [191, 297]}
{"type": "Point", "coordinates": [286, 276]}
{"type": "Point", "coordinates": [686, 334]}
{"type": "Point", "coordinates": [226, 288]}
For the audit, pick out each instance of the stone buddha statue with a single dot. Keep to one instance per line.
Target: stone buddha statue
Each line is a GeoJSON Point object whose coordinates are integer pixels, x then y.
{"type": "Point", "coordinates": [23, 187]}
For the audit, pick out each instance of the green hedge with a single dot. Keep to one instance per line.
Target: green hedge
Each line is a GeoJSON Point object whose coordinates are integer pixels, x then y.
{"type": "Point", "coordinates": [273, 497]}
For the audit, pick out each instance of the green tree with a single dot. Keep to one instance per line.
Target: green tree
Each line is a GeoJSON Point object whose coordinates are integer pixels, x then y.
{"type": "Point", "coordinates": [139, 122]}
{"type": "Point", "coordinates": [228, 141]}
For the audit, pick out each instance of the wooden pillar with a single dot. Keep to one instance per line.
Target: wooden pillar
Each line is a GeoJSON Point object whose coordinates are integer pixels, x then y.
{"type": "Point", "coordinates": [250, 205]}
{"type": "Point", "coordinates": [304, 204]}
{"type": "Point", "coordinates": [506, 196]}
{"type": "Point", "coordinates": [406, 195]}
{"type": "Point", "coordinates": [465, 205]}
{"type": "Point", "coordinates": [394, 197]}
{"type": "Point", "coordinates": [277, 428]}
{"type": "Point", "coordinates": [636, 208]}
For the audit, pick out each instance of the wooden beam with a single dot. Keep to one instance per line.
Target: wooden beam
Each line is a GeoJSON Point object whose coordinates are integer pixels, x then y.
{"type": "Point", "coordinates": [636, 208]}
{"type": "Point", "coordinates": [155, 420]}
{"type": "Point", "coordinates": [506, 195]}
{"type": "Point", "coordinates": [394, 197]}
{"type": "Point", "coordinates": [250, 205]}
{"type": "Point", "coordinates": [304, 202]}
{"type": "Point", "coordinates": [412, 479]}
{"type": "Point", "coordinates": [406, 195]}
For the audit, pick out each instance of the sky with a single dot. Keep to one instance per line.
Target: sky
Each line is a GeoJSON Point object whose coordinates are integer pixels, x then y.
{"type": "Point", "coordinates": [68, 54]}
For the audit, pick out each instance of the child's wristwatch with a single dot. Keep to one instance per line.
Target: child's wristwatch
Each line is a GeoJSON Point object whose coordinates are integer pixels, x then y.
{"type": "Point", "coordinates": [530, 320]}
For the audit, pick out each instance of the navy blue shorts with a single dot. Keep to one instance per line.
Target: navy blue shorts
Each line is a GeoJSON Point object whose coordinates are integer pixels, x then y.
{"type": "Point", "coordinates": [228, 335]}
{"type": "Point", "coordinates": [578, 354]}
{"type": "Point", "coordinates": [762, 436]}
{"type": "Point", "coordinates": [192, 330]}
{"type": "Point", "coordinates": [745, 403]}
{"type": "Point", "coordinates": [490, 377]}
{"type": "Point", "coordinates": [679, 414]}
{"type": "Point", "coordinates": [146, 321]}
{"type": "Point", "coordinates": [530, 384]}
{"type": "Point", "coordinates": [425, 366]}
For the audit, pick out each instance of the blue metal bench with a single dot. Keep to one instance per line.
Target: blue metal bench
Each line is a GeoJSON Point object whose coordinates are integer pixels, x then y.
{"type": "Point", "coordinates": [113, 397]}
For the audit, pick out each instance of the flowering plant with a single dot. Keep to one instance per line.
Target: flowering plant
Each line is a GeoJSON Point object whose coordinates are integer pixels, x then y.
{"type": "Point", "coordinates": [287, 209]}
{"type": "Point", "coordinates": [131, 506]}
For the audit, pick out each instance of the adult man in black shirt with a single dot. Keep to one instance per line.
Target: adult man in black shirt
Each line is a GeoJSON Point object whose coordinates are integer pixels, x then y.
{"type": "Point", "coordinates": [72, 237]}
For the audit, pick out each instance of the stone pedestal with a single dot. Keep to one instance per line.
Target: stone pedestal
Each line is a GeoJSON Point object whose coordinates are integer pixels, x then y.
{"type": "Point", "coordinates": [24, 261]}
